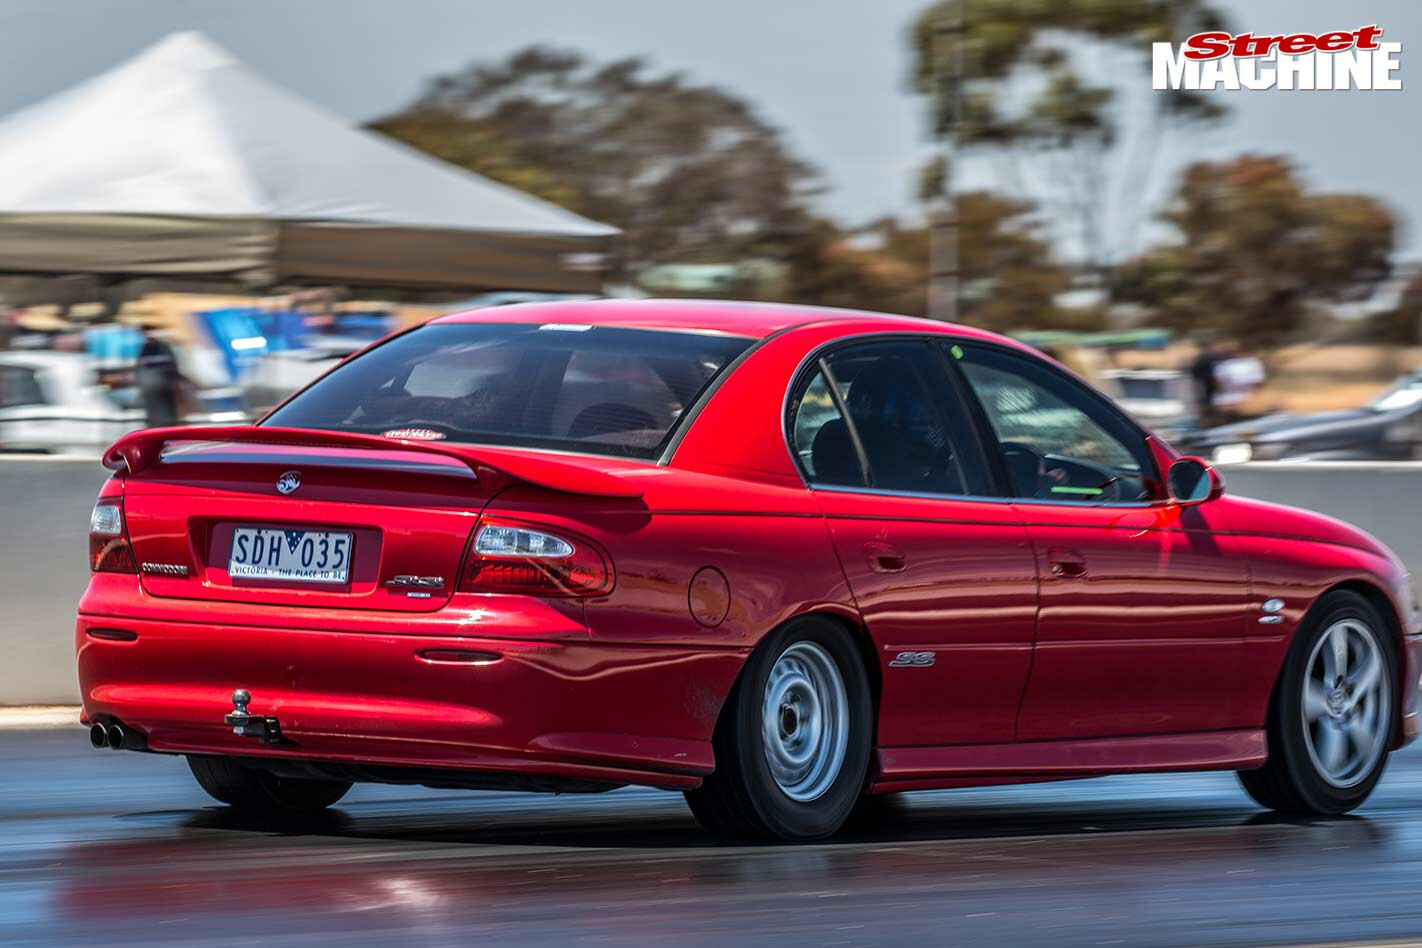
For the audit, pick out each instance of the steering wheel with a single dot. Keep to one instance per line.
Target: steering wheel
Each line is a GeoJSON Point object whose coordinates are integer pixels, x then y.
{"type": "Point", "coordinates": [1113, 483]}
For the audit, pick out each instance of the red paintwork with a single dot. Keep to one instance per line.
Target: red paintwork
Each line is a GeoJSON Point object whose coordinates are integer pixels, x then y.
{"type": "Point", "coordinates": [1150, 639]}
{"type": "Point", "coordinates": [1150, 659]}
{"type": "Point", "coordinates": [967, 590]}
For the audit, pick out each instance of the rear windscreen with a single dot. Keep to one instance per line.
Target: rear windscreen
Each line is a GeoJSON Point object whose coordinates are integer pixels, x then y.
{"type": "Point", "coordinates": [592, 389]}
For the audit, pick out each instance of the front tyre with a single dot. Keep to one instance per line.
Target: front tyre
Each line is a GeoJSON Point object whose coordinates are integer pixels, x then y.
{"type": "Point", "coordinates": [792, 746]}
{"type": "Point", "coordinates": [229, 782]}
{"type": "Point", "coordinates": [1332, 718]}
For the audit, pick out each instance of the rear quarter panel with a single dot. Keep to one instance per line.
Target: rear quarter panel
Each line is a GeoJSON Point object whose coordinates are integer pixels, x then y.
{"type": "Point", "coordinates": [704, 568]}
{"type": "Point", "coordinates": [769, 543]}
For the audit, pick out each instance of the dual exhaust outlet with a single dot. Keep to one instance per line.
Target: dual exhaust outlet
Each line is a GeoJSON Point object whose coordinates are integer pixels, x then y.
{"type": "Point", "coordinates": [117, 737]}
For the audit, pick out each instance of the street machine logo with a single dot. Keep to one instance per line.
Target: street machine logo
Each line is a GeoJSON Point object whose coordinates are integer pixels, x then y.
{"type": "Point", "coordinates": [1341, 60]}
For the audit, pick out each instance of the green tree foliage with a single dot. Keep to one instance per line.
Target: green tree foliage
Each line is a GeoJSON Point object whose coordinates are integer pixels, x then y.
{"type": "Point", "coordinates": [479, 147]}
{"type": "Point", "coordinates": [964, 51]}
{"type": "Point", "coordinates": [1005, 76]}
{"type": "Point", "coordinates": [691, 173]}
{"type": "Point", "coordinates": [1009, 277]}
{"type": "Point", "coordinates": [1402, 325]}
{"type": "Point", "coordinates": [1256, 251]}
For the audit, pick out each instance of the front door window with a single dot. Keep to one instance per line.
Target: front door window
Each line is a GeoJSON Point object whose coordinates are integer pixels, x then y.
{"type": "Point", "coordinates": [1058, 440]}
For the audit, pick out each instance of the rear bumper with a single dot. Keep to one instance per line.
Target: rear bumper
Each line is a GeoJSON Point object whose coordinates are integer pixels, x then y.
{"type": "Point", "coordinates": [564, 708]}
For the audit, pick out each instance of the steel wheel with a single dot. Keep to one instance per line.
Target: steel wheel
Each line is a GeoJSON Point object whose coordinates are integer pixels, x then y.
{"type": "Point", "coordinates": [1347, 702]}
{"type": "Point", "coordinates": [794, 738]}
{"type": "Point", "coordinates": [805, 721]}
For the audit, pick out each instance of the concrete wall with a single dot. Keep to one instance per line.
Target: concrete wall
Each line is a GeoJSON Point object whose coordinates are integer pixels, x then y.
{"type": "Point", "coordinates": [44, 545]}
{"type": "Point", "coordinates": [1383, 499]}
{"type": "Point", "coordinates": [44, 518]}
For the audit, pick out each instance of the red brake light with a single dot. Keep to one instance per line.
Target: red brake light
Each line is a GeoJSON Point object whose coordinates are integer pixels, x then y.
{"type": "Point", "coordinates": [511, 557]}
{"type": "Point", "coordinates": [109, 551]}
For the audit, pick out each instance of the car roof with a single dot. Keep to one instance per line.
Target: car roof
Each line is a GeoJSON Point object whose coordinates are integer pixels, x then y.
{"type": "Point", "coordinates": [755, 320]}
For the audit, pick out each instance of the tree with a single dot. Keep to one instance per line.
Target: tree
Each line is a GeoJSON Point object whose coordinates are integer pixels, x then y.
{"type": "Point", "coordinates": [1256, 251]}
{"type": "Point", "coordinates": [1010, 279]}
{"type": "Point", "coordinates": [690, 172]}
{"type": "Point", "coordinates": [1006, 76]}
{"type": "Point", "coordinates": [1401, 325]}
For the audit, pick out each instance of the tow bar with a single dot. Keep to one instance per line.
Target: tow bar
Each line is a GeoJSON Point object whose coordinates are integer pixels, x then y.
{"type": "Point", "coordinates": [244, 724]}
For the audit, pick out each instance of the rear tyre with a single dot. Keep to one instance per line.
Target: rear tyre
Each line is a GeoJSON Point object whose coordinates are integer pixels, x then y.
{"type": "Point", "coordinates": [792, 746]}
{"type": "Point", "coordinates": [1333, 715]}
{"type": "Point", "coordinates": [229, 782]}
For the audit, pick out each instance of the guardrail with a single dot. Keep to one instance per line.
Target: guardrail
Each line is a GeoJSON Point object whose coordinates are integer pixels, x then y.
{"type": "Point", "coordinates": [44, 519]}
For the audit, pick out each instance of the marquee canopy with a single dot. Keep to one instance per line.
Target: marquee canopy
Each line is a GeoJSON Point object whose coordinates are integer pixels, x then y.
{"type": "Point", "coordinates": [183, 162]}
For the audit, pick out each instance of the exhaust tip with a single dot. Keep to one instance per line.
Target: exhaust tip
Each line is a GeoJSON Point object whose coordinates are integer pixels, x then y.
{"type": "Point", "coordinates": [115, 736]}
{"type": "Point", "coordinates": [98, 736]}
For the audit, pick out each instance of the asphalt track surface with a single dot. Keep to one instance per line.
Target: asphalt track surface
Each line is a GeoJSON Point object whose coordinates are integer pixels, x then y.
{"type": "Point", "coordinates": [119, 848]}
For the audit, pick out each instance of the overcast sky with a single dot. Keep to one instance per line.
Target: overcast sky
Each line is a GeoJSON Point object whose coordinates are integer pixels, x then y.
{"type": "Point", "coordinates": [829, 72]}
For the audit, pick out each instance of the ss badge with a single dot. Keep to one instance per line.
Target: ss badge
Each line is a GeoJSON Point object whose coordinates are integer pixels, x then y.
{"type": "Point", "coordinates": [912, 659]}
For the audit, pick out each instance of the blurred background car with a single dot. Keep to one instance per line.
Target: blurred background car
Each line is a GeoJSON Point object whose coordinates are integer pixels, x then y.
{"type": "Point", "coordinates": [1161, 399]}
{"type": "Point", "coordinates": [1387, 428]}
{"type": "Point", "coordinates": [51, 402]}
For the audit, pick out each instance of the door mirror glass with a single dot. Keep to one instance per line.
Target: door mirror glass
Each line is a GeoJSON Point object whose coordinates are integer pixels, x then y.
{"type": "Point", "coordinates": [1192, 481]}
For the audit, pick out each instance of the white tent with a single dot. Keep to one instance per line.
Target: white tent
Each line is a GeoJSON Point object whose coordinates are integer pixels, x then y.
{"type": "Point", "coordinates": [183, 162]}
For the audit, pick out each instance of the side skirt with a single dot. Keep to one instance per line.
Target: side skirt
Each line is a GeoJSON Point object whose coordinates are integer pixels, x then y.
{"type": "Point", "coordinates": [930, 768]}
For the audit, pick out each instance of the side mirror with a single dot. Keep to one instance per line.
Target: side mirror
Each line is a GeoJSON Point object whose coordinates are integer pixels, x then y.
{"type": "Point", "coordinates": [1192, 481]}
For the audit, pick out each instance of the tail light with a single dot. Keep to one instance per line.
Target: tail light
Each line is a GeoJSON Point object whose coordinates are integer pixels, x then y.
{"type": "Point", "coordinates": [508, 557]}
{"type": "Point", "coordinates": [109, 550]}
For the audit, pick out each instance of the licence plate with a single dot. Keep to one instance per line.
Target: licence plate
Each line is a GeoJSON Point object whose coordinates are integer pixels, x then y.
{"type": "Point", "coordinates": [303, 556]}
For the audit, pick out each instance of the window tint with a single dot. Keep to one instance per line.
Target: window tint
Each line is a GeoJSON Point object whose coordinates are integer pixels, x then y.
{"type": "Point", "coordinates": [1058, 441]}
{"type": "Point", "coordinates": [594, 389]}
{"type": "Point", "coordinates": [895, 395]}
{"type": "Point", "coordinates": [18, 386]}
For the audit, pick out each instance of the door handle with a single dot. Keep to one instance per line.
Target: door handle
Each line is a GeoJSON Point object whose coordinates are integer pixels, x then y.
{"type": "Point", "coordinates": [885, 557]}
{"type": "Point", "coordinates": [1065, 563]}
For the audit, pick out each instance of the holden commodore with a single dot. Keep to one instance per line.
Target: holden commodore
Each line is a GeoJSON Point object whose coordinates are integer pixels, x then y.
{"type": "Point", "coordinates": [780, 559]}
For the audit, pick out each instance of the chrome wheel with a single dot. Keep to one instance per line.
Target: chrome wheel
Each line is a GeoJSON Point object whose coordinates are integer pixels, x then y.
{"type": "Point", "coordinates": [1346, 703]}
{"type": "Point", "coordinates": [805, 721]}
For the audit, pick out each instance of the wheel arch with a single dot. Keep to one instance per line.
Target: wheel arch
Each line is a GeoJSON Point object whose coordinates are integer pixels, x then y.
{"type": "Point", "coordinates": [1378, 598]}
{"type": "Point", "coordinates": [858, 634]}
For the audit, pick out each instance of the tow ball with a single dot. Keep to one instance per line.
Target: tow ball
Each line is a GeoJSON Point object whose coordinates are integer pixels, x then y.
{"type": "Point", "coordinates": [245, 724]}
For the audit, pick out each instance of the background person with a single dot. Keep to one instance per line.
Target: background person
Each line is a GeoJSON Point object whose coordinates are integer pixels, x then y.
{"type": "Point", "coordinates": [1237, 376]}
{"type": "Point", "coordinates": [158, 379]}
{"type": "Point", "coordinates": [1206, 384]}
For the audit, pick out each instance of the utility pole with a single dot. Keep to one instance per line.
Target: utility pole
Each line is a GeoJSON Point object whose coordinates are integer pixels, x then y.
{"type": "Point", "coordinates": [943, 230]}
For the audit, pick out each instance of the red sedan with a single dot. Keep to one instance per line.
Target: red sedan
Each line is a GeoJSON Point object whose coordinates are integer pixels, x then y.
{"type": "Point", "coordinates": [777, 558]}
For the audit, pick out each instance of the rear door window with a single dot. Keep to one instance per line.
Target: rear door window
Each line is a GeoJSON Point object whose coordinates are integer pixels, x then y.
{"type": "Point", "coordinates": [905, 430]}
{"type": "Point", "coordinates": [597, 390]}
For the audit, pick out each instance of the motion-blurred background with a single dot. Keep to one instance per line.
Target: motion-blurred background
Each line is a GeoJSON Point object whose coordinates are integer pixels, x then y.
{"type": "Point", "coordinates": [204, 206]}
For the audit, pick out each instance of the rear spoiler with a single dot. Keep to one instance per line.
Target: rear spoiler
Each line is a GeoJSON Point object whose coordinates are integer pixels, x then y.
{"type": "Point", "coordinates": [140, 450]}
